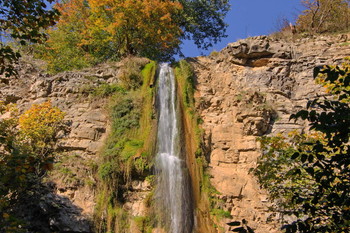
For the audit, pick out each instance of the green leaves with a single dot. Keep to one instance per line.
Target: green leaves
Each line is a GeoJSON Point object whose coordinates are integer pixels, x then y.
{"type": "Point", "coordinates": [24, 161]}
{"type": "Point", "coordinates": [319, 182]}
{"type": "Point", "coordinates": [23, 21]}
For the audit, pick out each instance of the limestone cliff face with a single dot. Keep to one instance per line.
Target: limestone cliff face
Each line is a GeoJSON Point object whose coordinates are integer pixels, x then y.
{"type": "Point", "coordinates": [67, 200]}
{"type": "Point", "coordinates": [250, 89]}
{"type": "Point", "coordinates": [72, 182]}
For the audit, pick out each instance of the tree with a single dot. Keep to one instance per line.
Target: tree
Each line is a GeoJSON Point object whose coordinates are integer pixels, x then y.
{"type": "Point", "coordinates": [316, 189]}
{"type": "Point", "coordinates": [94, 31]}
{"type": "Point", "coordinates": [22, 21]}
{"type": "Point", "coordinates": [324, 16]}
{"type": "Point", "coordinates": [64, 50]}
{"type": "Point", "coordinates": [27, 146]}
{"type": "Point", "coordinates": [203, 21]}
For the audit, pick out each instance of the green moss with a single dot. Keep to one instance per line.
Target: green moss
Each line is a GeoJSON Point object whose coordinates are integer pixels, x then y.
{"type": "Point", "coordinates": [185, 77]}
{"type": "Point", "coordinates": [105, 90]}
{"type": "Point", "coordinates": [186, 81]}
{"type": "Point", "coordinates": [220, 213]}
{"type": "Point", "coordinates": [130, 145]}
{"type": "Point", "coordinates": [148, 73]}
{"type": "Point", "coordinates": [131, 148]}
{"type": "Point", "coordinates": [145, 224]}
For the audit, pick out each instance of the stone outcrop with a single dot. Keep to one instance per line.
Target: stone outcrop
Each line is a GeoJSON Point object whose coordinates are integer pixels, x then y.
{"type": "Point", "coordinates": [87, 126]}
{"type": "Point", "coordinates": [65, 202]}
{"type": "Point", "coordinates": [250, 89]}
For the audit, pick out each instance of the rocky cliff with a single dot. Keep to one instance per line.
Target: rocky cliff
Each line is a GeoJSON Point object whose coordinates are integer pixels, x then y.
{"type": "Point", "coordinates": [250, 89]}
{"type": "Point", "coordinates": [67, 203]}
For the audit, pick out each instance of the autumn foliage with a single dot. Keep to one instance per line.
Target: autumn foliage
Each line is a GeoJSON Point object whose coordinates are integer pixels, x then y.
{"type": "Point", "coordinates": [26, 153]}
{"type": "Point", "coordinates": [92, 31]}
{"type": "Point", "coordinates": [322, 16]}
{"type": "Point", "coordinates": [40, 123]}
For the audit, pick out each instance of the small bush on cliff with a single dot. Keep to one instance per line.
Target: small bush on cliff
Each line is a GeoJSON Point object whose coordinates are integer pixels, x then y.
{"type": "Point", "coordinates": [309, 176]}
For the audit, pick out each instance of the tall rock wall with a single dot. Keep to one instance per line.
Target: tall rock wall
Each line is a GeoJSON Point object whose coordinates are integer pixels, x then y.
{"type": "Point", "coordinates": [67, 203]}
{"type": "Point", "coordinates": [250, 89]}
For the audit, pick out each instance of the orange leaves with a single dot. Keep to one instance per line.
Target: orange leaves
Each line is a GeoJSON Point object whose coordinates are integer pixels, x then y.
{"type": "Point", "coordinates": [129, 26]}
{"type": "Point", "coordinates": [138, 23]}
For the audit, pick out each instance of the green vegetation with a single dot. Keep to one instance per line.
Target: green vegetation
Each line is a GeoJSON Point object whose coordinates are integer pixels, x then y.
{"type": "Point", "coordinates": [308, 175]}
{"type": "Point", "coordinates": [186, 83]}
{"type": "Point", "coordinates": [323, 16]}
{"type": "Point", "coordinates": [73, 170]}
{"type": "Point", "coordinates": [27, 144]}
{"type": "Point", "coordinates": [24, 22]}
{"type": "Point", "coordinates": [90, 31]}
{"type": "Point", "coordinates": [129, 147]}
{"type": "Point", "coordinates": [145, 224]}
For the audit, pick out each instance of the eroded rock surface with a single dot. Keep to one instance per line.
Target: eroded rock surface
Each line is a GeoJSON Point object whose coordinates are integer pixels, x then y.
{"type": "Point", "coordinates": [250, 89]}
{"type": "Point", "coordinates": [70, 202]}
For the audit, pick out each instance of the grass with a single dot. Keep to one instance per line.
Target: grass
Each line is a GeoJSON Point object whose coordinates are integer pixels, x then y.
{"type": "Point", "coordinates": [220, 213]}
{"type": "Point", "coordinates": [345, 44]}
{"type": "Point", "coordinates": [214, 53]}
{"type": "Point", "coordinates": [145, 224]}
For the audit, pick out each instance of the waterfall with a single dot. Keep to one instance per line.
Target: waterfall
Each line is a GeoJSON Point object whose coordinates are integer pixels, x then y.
{"type": "Point", "coordinates": [173, 193]}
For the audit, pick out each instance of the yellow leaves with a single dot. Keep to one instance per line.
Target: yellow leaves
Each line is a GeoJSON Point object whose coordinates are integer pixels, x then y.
{"type": "Point", "coordinates": [40, 122]}
{"type": "Point", "coordinates": [150, 20]}
{"type": "Point", "coordinates": [166, 17]}
{"type": "Point", "coordinates": [127, 27]}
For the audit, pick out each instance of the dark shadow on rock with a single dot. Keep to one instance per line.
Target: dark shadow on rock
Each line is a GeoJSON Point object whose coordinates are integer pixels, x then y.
{"type": "Point", "coordinates": [240, 226]}
{"type": "Point", "coordinates": [44, 211]}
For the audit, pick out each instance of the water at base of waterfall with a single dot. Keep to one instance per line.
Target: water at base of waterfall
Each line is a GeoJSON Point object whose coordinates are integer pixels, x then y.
{"type": "Point", "coordinates": [172, 193]}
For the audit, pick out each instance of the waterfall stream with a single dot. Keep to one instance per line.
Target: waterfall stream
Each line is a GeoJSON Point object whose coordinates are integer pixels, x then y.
{"type": "Point", "coordinates": [173, 192]}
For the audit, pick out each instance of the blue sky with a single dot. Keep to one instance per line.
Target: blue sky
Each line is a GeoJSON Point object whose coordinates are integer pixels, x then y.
{"type": "Point", "coordinates": [250, 18]}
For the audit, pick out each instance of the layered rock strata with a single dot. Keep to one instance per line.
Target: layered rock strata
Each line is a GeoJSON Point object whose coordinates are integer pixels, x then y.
{"type": "Point", "coordinates": [249, 89]}
{"type": "Point", "coordinates": [71, 184]}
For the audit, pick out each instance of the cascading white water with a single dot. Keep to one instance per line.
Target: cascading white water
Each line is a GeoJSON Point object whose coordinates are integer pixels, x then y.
{"type": "Point", "coordinates": [173, 189]}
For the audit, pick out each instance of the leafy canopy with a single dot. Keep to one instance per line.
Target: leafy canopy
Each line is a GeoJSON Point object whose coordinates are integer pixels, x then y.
{"type": "Point", "coordinates": [22, 21]}
{"type": "Point", "coordinates": [91, 31]}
